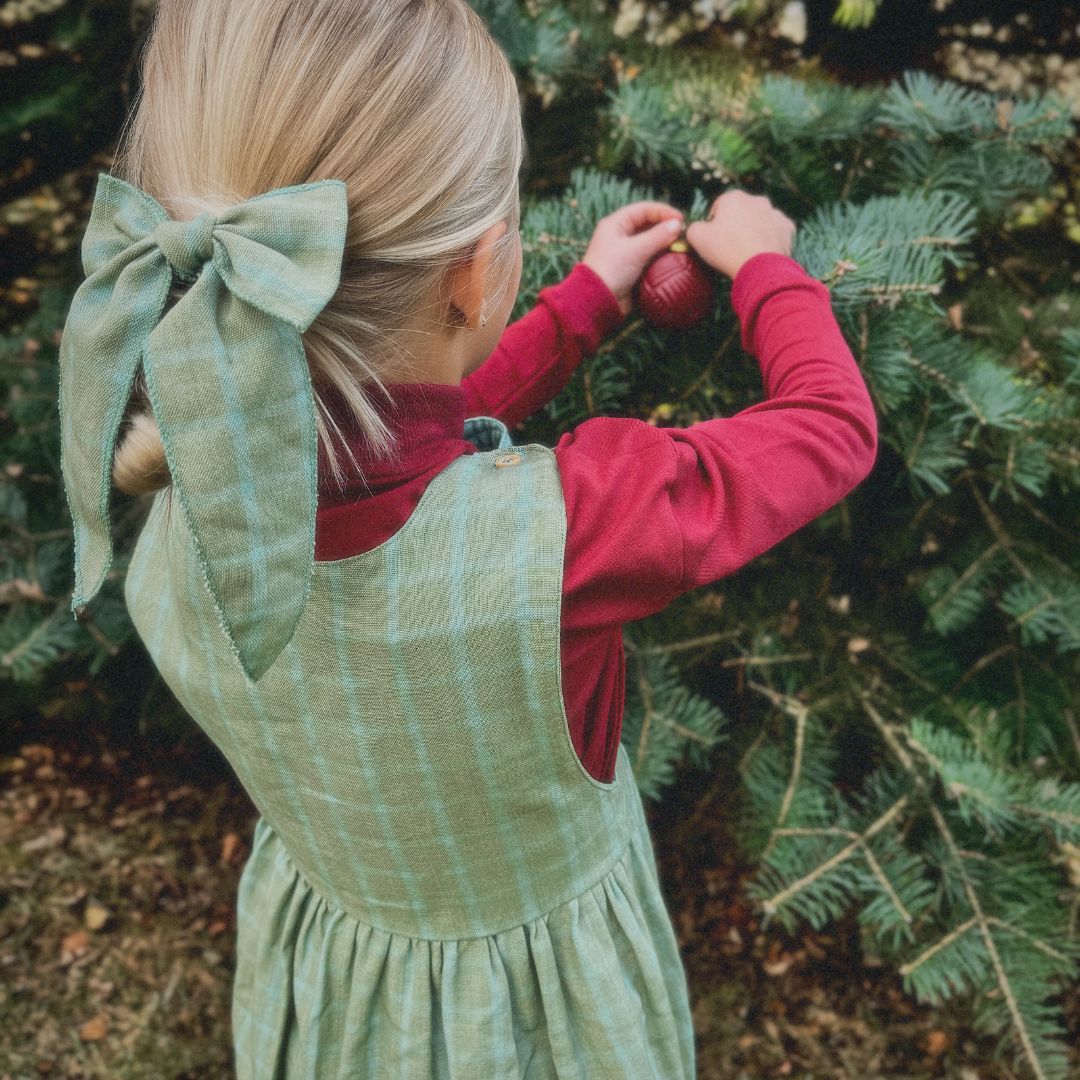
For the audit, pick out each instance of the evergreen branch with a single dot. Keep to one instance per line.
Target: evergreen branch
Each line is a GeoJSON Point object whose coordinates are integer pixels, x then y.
{"type": "Point", "coordinates": [962, 579]}
{"type": "Point", "coordinates": [1074, 731]}
{"type": "Point", "coordinates": [1004, 984]}
{"type": "Point", "coordinates": [1007, 544]}
{"type": "Point", "coordinates": [930, 288]}
{"type": "Point", "coordinates": [983, 661]}
{"type": "Point", "coordinates": [759, 661]}
{"type": "Point", "coordinates": [953, 935]}
{"type": "Point", "coordinates": [750, 751]}
{"type": "Point", "coordinates": [1060, 816]}
{"type": "Point", "coordinates": [87, 622]}
{"type": "Point", "coordinates": [792, 706]}
{"type": "Point", "coordinates": [849, 177]}
{"type": "Point", "coordinates": [916, 443]}
{"type": "Point", "coordinates": [914, 676]}
{"type": "Point", "coordinates": [1031, 939]}
{"type": "Point", "coordinates": [875, 866]}
{"type": "Point", "coordinates": [886, 884]}
{"type": "Point", "coordinates": [685, 732]}
{"type": "Point", "coordinates": [1047, 602]}
{"type": "Point", "coordinates": [682, 646]}
{"type": "Point", "coordinates": [982, 920]}
{"type": "Point", "coordinates": [938, 241]}
{"type": "Point", "coordinates": [957, 389]}
{"type": "Point", "coordinates": [773, 903]}
{"type": "Point", "coordinates": [706, 371]}
{"type": "Point", "coordinates": [626, 330]}
{"type": "Point", "coordinates": [799, 712]}
{"type": "Point", "coordinates": [544, 240]}
{"type": "Point", "coordinates": [888, 733]}
{"type": "Point", "coordinates": [1046, 520]}
{"type": "Point", "coordinates": [796, 769]}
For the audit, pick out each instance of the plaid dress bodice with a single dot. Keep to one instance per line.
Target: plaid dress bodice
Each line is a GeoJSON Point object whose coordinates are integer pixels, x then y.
{"type": "Point", "coordinates": [409, 756]}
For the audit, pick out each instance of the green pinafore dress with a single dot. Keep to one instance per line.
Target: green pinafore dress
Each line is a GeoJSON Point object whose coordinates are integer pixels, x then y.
{"type": "Point", "coordinates": [437, 888]}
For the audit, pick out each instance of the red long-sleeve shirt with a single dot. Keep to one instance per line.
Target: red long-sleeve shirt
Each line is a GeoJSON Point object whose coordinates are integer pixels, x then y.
{"type": "Point", "coordinates": [651, 512]}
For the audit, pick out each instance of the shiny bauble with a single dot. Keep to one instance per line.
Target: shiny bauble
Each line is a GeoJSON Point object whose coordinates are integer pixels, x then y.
{"type": "Point", "coordinates": [677, 290]}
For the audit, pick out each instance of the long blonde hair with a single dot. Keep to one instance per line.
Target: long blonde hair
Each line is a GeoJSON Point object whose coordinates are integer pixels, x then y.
{"type": "Point", "coordinates": [410, 102]}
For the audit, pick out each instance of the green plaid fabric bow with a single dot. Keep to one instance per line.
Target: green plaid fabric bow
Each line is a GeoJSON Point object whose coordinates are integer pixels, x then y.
{"type": "Point", "coordinates": [228, 381]}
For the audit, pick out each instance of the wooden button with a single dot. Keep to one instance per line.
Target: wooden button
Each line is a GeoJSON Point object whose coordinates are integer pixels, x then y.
{"type": "Point", "coordinates": [507, 459]}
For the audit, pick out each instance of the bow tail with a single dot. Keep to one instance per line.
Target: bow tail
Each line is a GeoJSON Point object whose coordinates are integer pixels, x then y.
{"type": "Point", "coordinates": [111, 314]}
{"type": "Point", "coordinates": [238, 424]}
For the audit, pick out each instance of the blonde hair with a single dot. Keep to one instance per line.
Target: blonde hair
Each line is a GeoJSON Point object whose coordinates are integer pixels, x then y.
{"type": "Point", "coordinates": [410, 102]}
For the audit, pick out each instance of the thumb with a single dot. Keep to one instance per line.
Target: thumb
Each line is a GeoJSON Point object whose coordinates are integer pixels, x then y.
{"type": "Point", "coordinates": [653, 241]}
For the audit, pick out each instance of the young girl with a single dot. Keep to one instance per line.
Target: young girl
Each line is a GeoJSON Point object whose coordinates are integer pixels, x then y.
{"type": "Point", "coordinates": [402, 631]}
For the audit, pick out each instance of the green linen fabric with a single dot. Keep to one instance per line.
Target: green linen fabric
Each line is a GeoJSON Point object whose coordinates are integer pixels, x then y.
{"type": "Point", "coordinates": [438, 889]}
{"type": "Point", "coordinates": [228, 381]}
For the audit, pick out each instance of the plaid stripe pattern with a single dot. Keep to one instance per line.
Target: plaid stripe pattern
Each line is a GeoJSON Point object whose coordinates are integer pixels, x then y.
{"type": "Point", "coordinates": [437, 887]}
{"type": "Point", "coordinates": [229, 384]}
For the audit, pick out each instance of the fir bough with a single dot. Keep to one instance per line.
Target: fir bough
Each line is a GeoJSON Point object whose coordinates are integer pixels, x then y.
{"type": "Point", "coordinates": [950, 654]}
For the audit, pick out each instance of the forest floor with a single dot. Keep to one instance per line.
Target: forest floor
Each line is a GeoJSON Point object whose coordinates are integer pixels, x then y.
{"type": "Point", "coordinates": [118, 874]}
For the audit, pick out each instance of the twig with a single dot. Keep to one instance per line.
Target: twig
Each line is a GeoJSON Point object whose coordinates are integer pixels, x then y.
{"type": "Point", "coordinates": [945, 942]}
{"type": "Point", "coordinates": [981, 918]}
{"type": "Point", "coordinates": [682, 646]}
{"type": "Point", "coordinates": [760, 661]}
{"type": "Point", "coordinates": [772, 904]}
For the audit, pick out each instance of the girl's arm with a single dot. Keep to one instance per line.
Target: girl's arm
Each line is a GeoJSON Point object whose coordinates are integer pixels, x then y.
{"type": "Point", "coordinates": [654, 512]}
{"type": "Point", "coordinates": [537, 354]}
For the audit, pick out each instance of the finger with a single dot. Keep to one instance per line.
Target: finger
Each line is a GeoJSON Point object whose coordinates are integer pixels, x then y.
{"type": "Point", "coordinates": [651, 241]}
{"type": "Point", "coordinates": [636, 216]}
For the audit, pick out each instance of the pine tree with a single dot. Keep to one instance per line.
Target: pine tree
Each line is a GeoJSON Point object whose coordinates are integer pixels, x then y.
{"type": "Point", "coordinates": [946, 650]}
{"type": "Point", "coordinates": [911, 656]}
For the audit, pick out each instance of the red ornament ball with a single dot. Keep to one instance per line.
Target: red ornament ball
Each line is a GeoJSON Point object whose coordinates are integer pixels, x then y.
{"type": "Point", "coordinates": [677, 290]}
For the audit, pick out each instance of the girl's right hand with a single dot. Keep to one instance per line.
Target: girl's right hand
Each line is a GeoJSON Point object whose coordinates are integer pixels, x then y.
{"type": "Point", "coordinates": [740, 226]}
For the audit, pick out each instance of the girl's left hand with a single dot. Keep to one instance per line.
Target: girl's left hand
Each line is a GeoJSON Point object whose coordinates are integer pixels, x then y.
{"type": "Point", "coordinates": [625, 242]}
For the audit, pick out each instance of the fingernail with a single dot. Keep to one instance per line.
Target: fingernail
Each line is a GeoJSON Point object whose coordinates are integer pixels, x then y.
{"type": "Point", "coordinates": [674, 224]}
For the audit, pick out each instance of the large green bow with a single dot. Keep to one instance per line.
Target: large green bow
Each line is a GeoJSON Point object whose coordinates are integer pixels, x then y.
{"type": "Point", "coordinates": [228, 382]}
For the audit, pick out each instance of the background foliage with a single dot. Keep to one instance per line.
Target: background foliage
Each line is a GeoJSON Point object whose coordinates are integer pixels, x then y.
{"type": "Point", "coordinates": [907, 664]}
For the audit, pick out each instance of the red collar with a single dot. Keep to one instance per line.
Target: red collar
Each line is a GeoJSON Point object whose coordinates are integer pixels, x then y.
{"type": "Point", "coordinates": [429, 420]}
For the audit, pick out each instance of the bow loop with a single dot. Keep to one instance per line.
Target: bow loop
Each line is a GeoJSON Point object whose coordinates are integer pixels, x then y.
{"type": "Point", "coordinates": [228, 381]}
{"type": "Point", "coordinates": [186, 245]}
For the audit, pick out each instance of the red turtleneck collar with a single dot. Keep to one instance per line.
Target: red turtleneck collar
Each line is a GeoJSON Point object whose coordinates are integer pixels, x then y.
{"type": "Point", "coordinates": [429, 422]}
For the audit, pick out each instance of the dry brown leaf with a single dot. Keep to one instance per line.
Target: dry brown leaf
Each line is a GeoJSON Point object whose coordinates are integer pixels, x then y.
{"type": "Point", "coordinates": [937, 1042]}
{"type": "Point", "coordinates": [94, 1030]}
{"type": "Point", "coordinates": [779, 965]}
{"type": "Point", "coordinates": [74, 944]}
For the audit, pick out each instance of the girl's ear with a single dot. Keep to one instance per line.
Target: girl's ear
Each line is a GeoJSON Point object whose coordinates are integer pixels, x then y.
{"type": "Point", "coordinates": [467, 278]}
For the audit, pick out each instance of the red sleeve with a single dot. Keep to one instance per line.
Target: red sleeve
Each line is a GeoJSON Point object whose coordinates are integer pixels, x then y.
{"type": "Point", "coordinates": [654, 512]}
{"type": "Point", "coordinates": [537, 354]}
